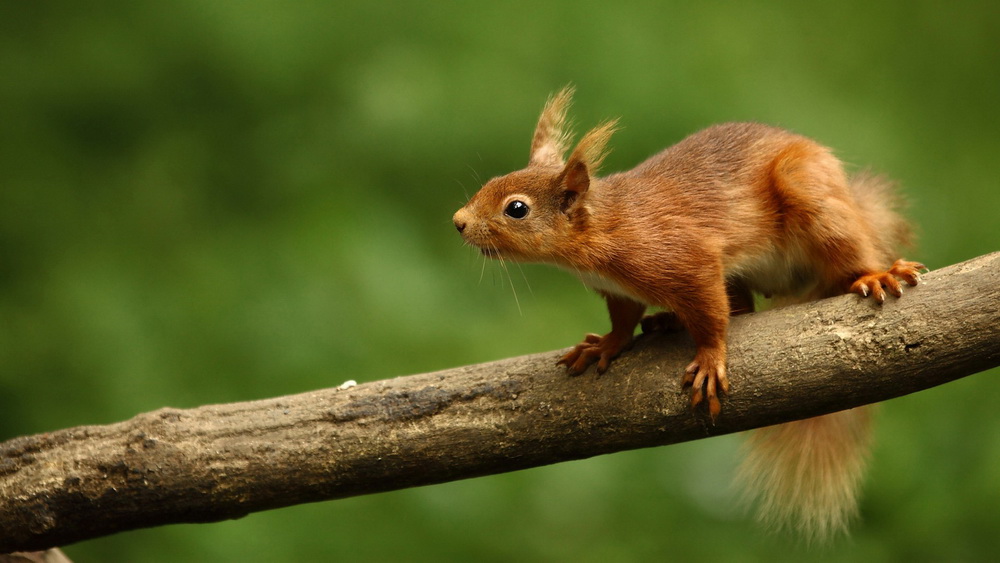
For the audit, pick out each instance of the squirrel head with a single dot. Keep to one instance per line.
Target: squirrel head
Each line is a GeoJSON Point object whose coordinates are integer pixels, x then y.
{"type": "Point", "coordinates": [539, 213]}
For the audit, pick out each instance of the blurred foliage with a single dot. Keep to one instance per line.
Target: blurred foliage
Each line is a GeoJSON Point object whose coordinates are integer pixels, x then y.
{"type": "Point", "coordinates": [218, 201]}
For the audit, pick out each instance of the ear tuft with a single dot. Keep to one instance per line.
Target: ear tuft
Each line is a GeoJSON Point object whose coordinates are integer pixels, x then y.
{"type": "Point", "coordinates": [551, 139]}
{"type": "Point", "coordinates": [593, 147]}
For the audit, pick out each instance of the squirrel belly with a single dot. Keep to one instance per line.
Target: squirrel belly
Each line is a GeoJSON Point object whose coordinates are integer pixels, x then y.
{"type": "Point", "coordinates": [696, 229]}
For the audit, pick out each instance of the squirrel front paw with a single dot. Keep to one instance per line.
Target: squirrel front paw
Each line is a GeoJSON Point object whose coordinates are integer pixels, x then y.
{"type": "Point", "coordinates": [707, 377]}
{"type": "Point", "coordinates": [595, 347]}
{"type": "Point", "coordinates": [876, 284]}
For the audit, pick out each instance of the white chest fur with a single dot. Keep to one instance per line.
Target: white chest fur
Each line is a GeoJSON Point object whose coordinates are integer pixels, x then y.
{"type": "Point", "coordinates": [601, 283]}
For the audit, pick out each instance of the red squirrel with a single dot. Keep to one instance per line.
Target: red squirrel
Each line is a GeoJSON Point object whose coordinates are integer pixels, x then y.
{"type": "Point", "coordinates": [696, 229]}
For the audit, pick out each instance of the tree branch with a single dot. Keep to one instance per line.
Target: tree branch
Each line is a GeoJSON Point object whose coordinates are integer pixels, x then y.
{"type": "Point", "coordinates": [224, 461]}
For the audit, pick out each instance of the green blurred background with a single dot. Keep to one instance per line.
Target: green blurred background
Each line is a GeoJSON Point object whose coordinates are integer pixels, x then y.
{"type": "Point", "coordinates": [206, 202]}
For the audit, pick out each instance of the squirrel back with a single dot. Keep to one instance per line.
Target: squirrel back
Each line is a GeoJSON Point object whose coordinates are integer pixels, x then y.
{"type": "Point", "coordinates": [734, 190]}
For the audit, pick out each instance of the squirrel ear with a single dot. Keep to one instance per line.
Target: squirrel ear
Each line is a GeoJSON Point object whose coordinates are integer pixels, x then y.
{"type": "Point", "coordinates": [575, 180]}
{"type": "Point", "coordinates": [551, 139]}
{"type": "Point", "coordinates": [585, 160]}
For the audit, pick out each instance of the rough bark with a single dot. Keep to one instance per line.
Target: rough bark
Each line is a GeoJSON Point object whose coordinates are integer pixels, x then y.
{"type": "Point", "coordinates": [224, 461]}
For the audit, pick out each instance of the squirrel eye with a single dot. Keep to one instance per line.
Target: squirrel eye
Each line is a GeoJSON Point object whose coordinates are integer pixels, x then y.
{"type": "Point", "coordinates": [516, 209]}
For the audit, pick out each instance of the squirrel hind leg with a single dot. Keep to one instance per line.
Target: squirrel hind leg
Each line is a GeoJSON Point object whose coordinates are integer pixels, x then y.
{"type": "Point", "coordinates": [876, 284]}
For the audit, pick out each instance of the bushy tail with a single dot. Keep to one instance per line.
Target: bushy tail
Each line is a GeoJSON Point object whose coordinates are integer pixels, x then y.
{"type": "Point", "coordinates": [806, 474]}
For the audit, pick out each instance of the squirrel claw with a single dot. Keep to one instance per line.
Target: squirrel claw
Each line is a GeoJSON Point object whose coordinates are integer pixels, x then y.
{"type": "Point", "coordinates": [594, 347]}
{"type": "Point", "coordinates": [707, 377]}
{"type": "Point", "coordinates": [878, 283]}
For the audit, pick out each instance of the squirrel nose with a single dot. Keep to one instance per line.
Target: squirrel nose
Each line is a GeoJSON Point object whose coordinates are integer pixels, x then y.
{"type": "Point", "coordinates": [460, 220]}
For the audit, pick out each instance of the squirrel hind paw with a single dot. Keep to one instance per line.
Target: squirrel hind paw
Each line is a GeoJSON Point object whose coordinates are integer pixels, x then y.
{"type": "Point", "coordinates": [664, 321]}
{"type": "Point", "coordinates": [878, 283]}
{"type": "Point", "coordinates": [907, 271]}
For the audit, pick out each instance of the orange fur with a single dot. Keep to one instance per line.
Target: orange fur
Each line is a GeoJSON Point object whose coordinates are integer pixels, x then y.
{"type": "Point", "coordinates": [733, 209]}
